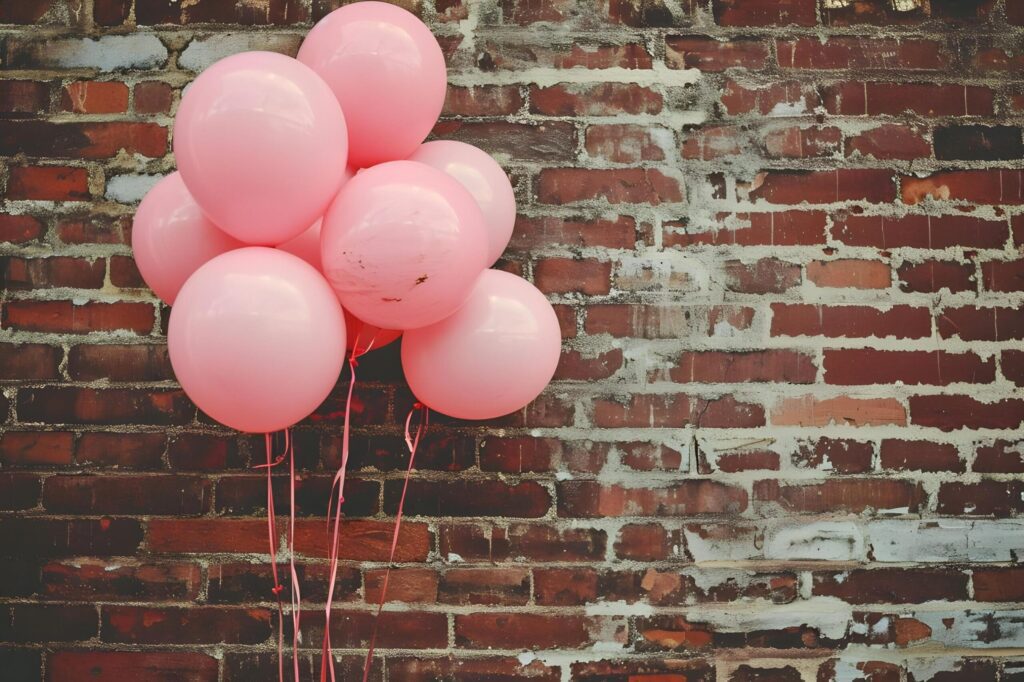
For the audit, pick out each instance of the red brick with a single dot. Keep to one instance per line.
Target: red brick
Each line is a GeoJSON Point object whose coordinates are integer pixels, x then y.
{"type": "Point", "coordinates": [841, 410]}
{"type": "Point", "coordinates": [152, 97]}
{"type": "Point", "coordinates": [820, 187]}
{"type": "Point", "coordinates": [104, 406]}
{"type": "Point", "coordinates": [48, 183]}
{"type": "Point", "coordinates": [873, 98]}
{"type": "Point", "coordinates": [37, 537]}
{"type": "Point", "coordinates": [933, 276]}
{"type": "Point", "coordinates": [985, 498]}
{"type": "Point", "coordinates": [953, 412]}
{"type": "Point", "coordinates": [862, 366]}
{"type": "Point", "coordinates": [57, 271]}
{"type": "Point", "coordinates": [364, 540]}
{"type": "Point", "coordinates": [890, 141]}
{"type": "Point", "coordinates": [626, 143]}
{"type": "Point", "coordinates": [535, 233]}
{"type": "Point", "coordinates": [846, 495]}
{"type": "Point", "coordinates": [527, 499]}
{"type": "Point", "coordinates": [119, 362]}
{"type": "Point", "coordinates": [19, 229]}
{"type": "Point", "coordinates": [35, 448]}
{"type": "Point", "coordinates": [92, 580]}
{"type": "Point", "coordinates": [646, 542]}
{"type": "Point", "coordinates": [151, 495]}
{"type": "Point", "coordinates": [19, 491]}
{"type": "Point", "coordinates": [1001, 457]}
{"type": "Point", "coordinates": [780, 228]}
{"type": "Point", "coordinates": [95, 97]}
{"type": "Point", "coordinates": [892, 585]}
{"type": "Point", "coordinates": [562, 275]}
{"type": "Point", "coordinates": [526, 12]}
{"type": "Point", "coordinates": [28, 12]}
{"type": "Point", "coordinates": [758, 13]}
{"type": "Point", "coordinates": [798, 319]}
{"type": "Point", "coordinates": [644, 13]}
{"type": "Point", "coordinates": [994, 186]}
{"type": "Point", "coordinates": [920, 231]}
{"type": "Point", "coordinates": [708, 54]}
{"type": "Point", "coordinates": [183, 536]}
{"type": "Point", "coordinates": [777, 98]}
{"type": "Point", "coordinates": [626, 186]}
{"type": "Point", "coordinates": [580, 366]}
{"type": "Point", "coordinates": [729, 367]}
{"type": "Point", "coordinates": [978, 142]}
{"type": "Point", "coordinates": [714, 142]}
{"type": "Point", "coordinates": [795, 142]}
{"type": "Point", "coordinates": [606, 99]}
{"type": "Point", "coordinates": [21, 97]}
{"type": "Point", "coordinates": [854, 52]}
{"type": "Point", "coordinates": [999, 275]}
{"type": "Point", "coordinates": [476, 669]}
{"type": "Point", "coordinates": [511, 54]}
{"type": "Point", "coordinates": [70, 318]}
{"type": "Point", "coordinates": [675, 411]}
{"type": "Point", "coordinates": [591, 499]}
{"type": "Point", "coordinates": [122, 450]}
{"type": "Point", "coordinates": [130, 666]}
{"type": "Point", "coordinates": [47, 623]}
{"type": "Point", "coordinates": [82, 140]}
{"type": "Point", "coordinates": [998, 584]}
{"type": "Point", "coordinates": [491, 586]}
{"type": "Point", "coordinates": [850, 273]}
{"type": "Point", "coordinates": [352, 629]}
{"type": "Point", "coordinates": [1012, 364]}
{"type": "Point", "coordinates": [981, 324]}
{"type": "Point", "coordinates": [919, 455]}
{"type": "Point", "coordinates": [95, 229]}
{"type": "Point", "coordinates": [191, 625]}
{"type": "Point", "coordinates": [520, 631]}
{"type": "Point", "coordinates": [549, 141]}
{"type": "Point", "coordinates": [764, 276]}
{"type": "Point", "coordinates": [29, 361]}
{"type": "Point", "coordinates": [835, 454]}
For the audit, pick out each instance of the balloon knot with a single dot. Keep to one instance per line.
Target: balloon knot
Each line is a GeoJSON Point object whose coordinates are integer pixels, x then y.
{"type": "Point", "coordinates": [417, 406]}
{"type": "Point", "coordinates": [352, 361]}
{"type": "Point", "coordinates": [278, 589]}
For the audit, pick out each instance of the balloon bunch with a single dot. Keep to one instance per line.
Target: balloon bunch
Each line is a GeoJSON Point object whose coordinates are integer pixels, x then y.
{"type": "Point", "coordinates": [308, 221]}
{"type": "Point", "coordinates": [307, 214]}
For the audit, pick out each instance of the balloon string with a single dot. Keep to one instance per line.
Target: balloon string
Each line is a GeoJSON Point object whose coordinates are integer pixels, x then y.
{"type": "Point", "coordinates": [272, 536]}
{"type": "Point", "coordinates": [338, 491]}
{"type": "Point", "coordinates": [412, 443]}
{"type": "Point", "coordinates": [295, 593]}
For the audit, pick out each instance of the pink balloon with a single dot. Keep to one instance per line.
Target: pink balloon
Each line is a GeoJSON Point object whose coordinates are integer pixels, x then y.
{"type": "Point", "coordinates": [486, 181]}
{"type": "Point", "coordinates": [306, 246]}
{"type": "Point", "coordinates": [402, 245]}
{"type": "Point", "coordinates": [261, 144]}
{"type": "Point", "coordinates": [492, 357]}
{"type": "Point", "coordinates": [257, 339]}
{"type": "Point", "coordinates": [171, 237]}
{"type": "Point", "coordinates": [366, 337]}
{"type": "Point", "coordinates": [388, 72]}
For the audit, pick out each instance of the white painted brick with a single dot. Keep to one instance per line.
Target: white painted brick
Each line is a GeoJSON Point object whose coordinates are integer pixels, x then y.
{"type": "Point", "coordinates": [129, 189]}
{"type": "Point", "coordinates": [202, 52]}
{"type": "Point", "coordinates": [109, 53]}
{"type": "Point", "coordinates": [824, 541]}
{"type": "Point", "coordinates": [946, 540]}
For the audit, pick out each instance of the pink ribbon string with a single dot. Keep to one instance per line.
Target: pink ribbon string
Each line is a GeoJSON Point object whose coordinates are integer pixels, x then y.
{"type": "Point", "coordinates": [412, 443]}
{"type": "Point", "coordinates": [272, 535]}
{"type": "Point", "coordinates": [338, 493]}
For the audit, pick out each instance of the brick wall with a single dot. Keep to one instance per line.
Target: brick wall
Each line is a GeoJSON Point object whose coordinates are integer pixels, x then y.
{"type": "Point", "coordinates": [784, 442]}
